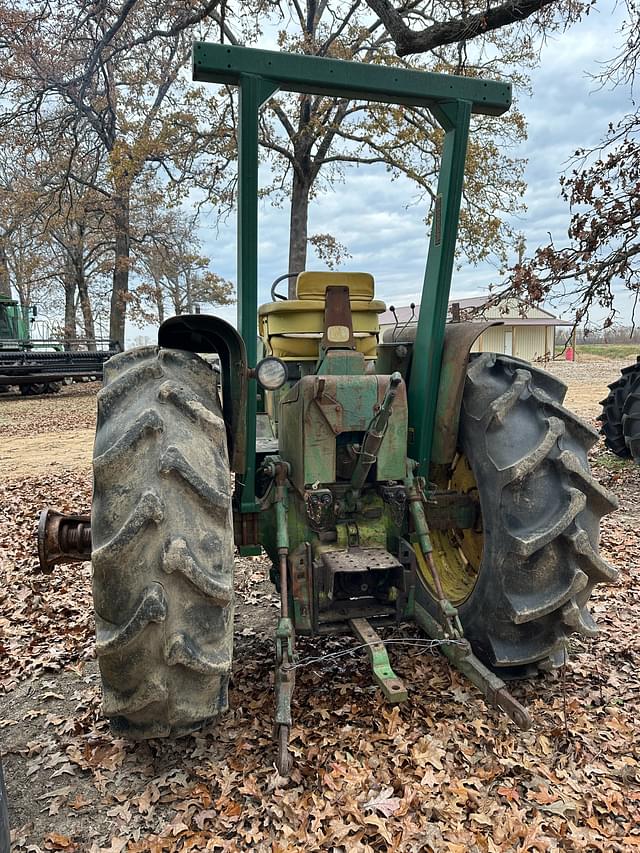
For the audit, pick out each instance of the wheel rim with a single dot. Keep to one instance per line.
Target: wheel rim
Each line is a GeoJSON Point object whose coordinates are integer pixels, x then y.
{"type": "Point", "coordinates": [458, 553]}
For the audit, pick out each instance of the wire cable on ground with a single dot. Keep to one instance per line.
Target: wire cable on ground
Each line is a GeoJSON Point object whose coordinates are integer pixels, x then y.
{"type": "Point", "coordinates": [419, 642]}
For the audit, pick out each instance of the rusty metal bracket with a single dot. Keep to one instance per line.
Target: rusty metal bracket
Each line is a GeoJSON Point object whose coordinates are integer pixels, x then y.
{"type": "Point", "coordinates": [285, 632]}
{"type": "Point", "coordinates": [463, 659]}
{"type": "Point", "coordinates": [338, 322]}
{"type": "Point", "coordinates": [360, 560]}
{"type": "Point", "coordinates": [284, 684]}
{"type": "Point", "coordinates": [329, 407]}
{"type": "Point", "coordinates": [63, 539]}
{"type": "Point", "coordinates": [246, 533]}
{"type": "Point", "coordinates": [396, 499]}
{"type": "Point", "coordinates": [319, 504]}
{"type": "Point", "coordinates": [451, 510]}
{"type": "Point", "coordinates": [392, 687]}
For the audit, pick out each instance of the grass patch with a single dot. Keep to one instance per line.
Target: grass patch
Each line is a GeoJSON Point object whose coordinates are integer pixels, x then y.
{"type": "Point", "coordinates": [628, 351]}
{"type": "Point", "coordinates": [611, 462]}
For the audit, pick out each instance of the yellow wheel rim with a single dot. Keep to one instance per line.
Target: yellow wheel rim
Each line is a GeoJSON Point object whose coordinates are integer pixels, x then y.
{"type": "Point", "coordinates": [457, 553]}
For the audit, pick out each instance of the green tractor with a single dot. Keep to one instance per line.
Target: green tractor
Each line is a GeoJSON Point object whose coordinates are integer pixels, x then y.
{"type": "Point", "coordinates": [387, 480]}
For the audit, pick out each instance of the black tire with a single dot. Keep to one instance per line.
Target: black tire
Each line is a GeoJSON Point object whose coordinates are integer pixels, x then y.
{"type": "Point", "coordinates": [33, 389]}
{"type": "Point", "coordinates": [37, 388]}
{"type": "Point", "coordinates": [613, 411]}
{"type": "Point", "coordinates": [541, 511]}
{"type": "Point", "coordinates": [631, 422]}
{"type": "Point", "coordinates": [162, 544]}
{"type": "Point", "coordinates": [631, 413]}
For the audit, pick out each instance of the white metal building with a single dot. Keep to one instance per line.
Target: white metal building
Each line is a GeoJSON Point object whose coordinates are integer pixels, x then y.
{"type": "Point", "coordinates": [526, 331]}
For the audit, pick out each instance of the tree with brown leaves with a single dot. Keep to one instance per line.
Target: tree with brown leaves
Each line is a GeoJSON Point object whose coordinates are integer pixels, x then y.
{"type": "Point", "coordinates": [114, 72]}
{"type": "Point", "coordinates": [312, 140]}
{"type": "Point", "coordinates": [601, 257]}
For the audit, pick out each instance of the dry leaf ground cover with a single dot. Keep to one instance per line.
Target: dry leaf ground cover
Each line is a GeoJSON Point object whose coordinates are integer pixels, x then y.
{"type": "Point", "coordinates": [440, 773]}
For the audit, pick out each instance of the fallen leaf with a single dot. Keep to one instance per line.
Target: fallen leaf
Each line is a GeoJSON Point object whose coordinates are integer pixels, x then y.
{"type": "Point", "coordinates": [384, 803]}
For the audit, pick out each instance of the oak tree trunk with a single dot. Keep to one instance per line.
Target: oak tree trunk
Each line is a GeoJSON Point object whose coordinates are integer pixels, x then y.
{"type": "Point", "coordinates": [5, 283]}
{"type": "Point", "coordinates": [87, 313]}
{"type": "Point", "coordinates": [187, 294]}
{"type": "Point", "coordinates": [69, 305]}
{"type": "Point", "coordinates": [298, 227]}
{"type": "Point", "coordinates": [120, 290]}
{"type": "Point", "coordinates": [159, 304]}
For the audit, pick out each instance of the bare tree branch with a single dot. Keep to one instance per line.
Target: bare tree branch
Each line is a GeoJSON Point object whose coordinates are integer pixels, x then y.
{"type": "Point", "coordinates": [454, 30]}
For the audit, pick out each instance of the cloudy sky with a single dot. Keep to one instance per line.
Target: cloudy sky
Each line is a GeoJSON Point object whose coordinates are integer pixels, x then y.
{"type": "Point", "coordinates": [368, 212]}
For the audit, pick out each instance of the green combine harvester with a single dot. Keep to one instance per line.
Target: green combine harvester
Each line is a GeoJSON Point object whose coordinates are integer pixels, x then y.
{"type": "Point", "coordinates": [387, 480]}
{"type": "Point", "coordinates": [41, 365]}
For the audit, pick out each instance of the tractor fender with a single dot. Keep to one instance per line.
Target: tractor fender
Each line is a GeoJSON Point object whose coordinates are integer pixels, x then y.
{"type": "Point", "coordinates": [395, 353]}
{"type": "Point", "coordinates": [458, 340]}
{"type": "Point", "coordinates": [202, 333]}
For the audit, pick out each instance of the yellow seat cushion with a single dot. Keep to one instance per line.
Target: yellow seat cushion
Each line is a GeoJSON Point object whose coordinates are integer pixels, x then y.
{"type": "Point", "coordinates": [313, 285]}
{"type": "Point", "coordinates": [292, 329]}
{"type": "Point", "coordinates": [307, 349]}
{"type": "Point", "coordinates": [302, 316]}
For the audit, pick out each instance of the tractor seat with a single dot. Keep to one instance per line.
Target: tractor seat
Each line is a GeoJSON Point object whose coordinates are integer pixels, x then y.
{"type": "Point", "coordinates": [292, 329]}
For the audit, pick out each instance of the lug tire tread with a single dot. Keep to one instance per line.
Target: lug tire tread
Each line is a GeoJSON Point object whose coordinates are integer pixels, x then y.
{"type": "Point", "coordinates": [615, 414]}
{"type": "Point", "coordinates": [162, 539]}
{"type": "Point", "coordinates": [631, 418]}
{"type": "Point", "coordinates": [541, 509]}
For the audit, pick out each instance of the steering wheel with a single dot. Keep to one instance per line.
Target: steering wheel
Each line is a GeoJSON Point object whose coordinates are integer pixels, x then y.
{"type": "Point", "coordinates": [280, 278]}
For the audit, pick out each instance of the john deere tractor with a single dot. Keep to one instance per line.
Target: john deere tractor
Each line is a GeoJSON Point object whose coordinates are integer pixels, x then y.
{"type": "Point", "coordinates": [387, 480]}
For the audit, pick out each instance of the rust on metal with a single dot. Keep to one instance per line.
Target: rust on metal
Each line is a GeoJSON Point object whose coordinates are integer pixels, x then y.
{"type": "Point", "coordinates": [458, 340]}
{"type": "Point", "coordinates": [360, 560]}
{"type": "Point", "coordinates": [392, 686]}
{"type": "Point", "coordinates": [452, 510]}
{"type": "Point", "coordinates": [63, 539]}
{"type": "Point", "coordinates": [245, 527]}
{"type": "Point", "coordinates": [338, 322]}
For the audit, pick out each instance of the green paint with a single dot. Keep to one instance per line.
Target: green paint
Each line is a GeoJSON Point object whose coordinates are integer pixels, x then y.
{"type": "Point", "coordinates": [319, 416]}
{"type": "Point", "coordinates": [215, 63]}
{"type": "Point", "coordinates": [427, 349]}
{"type": "Point", "coordinates": [14, 322]}
{"type": "Point", "coordinates": [451, 99]}
{"type": "Point", "coordinates": [341, 363]}
{"type": "Point", "coordinates": [254, 91]}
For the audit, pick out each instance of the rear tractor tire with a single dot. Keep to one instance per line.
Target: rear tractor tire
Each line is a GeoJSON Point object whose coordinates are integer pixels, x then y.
{"type": "Point", "coordinates": [620, 416]}
{"type": "Point", "coordinates": [521, 580]}
{"type": "Point", "coordinates": [631, 421]}
{"type": "Point", "coordinates": [162, 540]}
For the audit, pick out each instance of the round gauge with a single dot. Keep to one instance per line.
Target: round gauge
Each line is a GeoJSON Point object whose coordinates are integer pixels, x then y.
{"type": "Point", "coordinates": [271, 373]}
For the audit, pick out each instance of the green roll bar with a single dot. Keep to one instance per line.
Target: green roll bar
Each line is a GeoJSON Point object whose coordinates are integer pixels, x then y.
{"type": "Point", "coordinates": [259, 74]}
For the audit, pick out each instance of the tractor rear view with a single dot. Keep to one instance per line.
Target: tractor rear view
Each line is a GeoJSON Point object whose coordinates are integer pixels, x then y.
{"type": "Point", "coordinates": [387, 480]}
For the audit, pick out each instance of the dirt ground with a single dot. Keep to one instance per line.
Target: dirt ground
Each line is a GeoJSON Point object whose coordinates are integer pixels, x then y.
{"type": "Point", "coordinates": [42, 433]}
{"type": "Point", "coordinates": [586, 383]}
{"type": "Point", "coordinates": [442, 772]}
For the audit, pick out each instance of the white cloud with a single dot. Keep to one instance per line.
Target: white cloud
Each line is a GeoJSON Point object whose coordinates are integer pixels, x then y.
{"type": "Point", "coordinates": [367, 212]}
